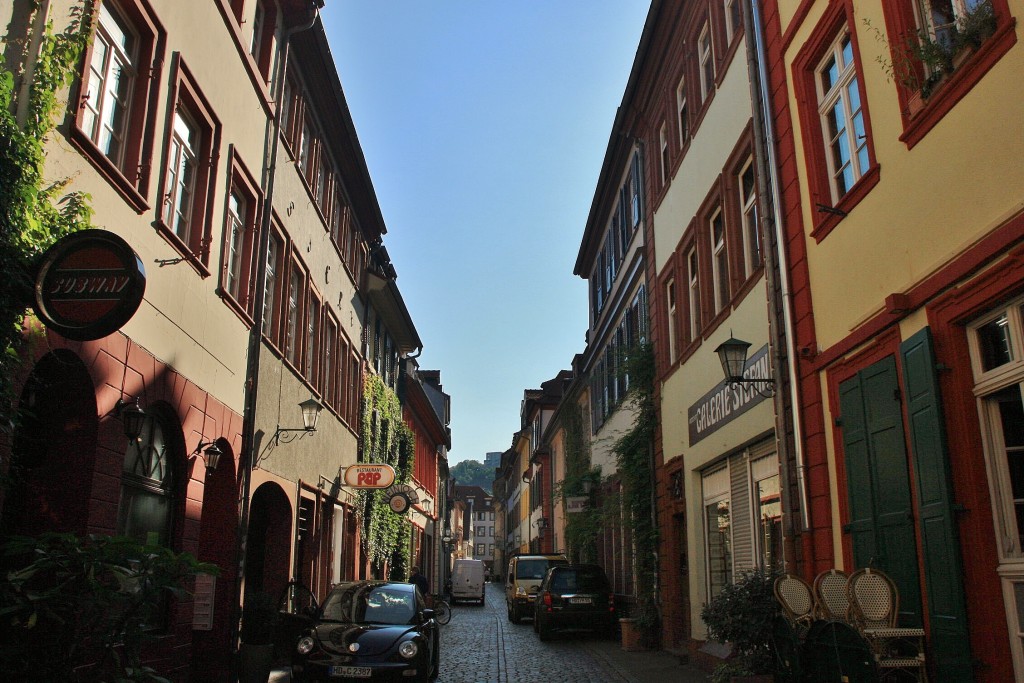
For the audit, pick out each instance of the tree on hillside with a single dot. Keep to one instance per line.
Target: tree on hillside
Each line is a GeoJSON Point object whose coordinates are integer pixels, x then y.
{"type": "Point", "coordinates": [473, 473]}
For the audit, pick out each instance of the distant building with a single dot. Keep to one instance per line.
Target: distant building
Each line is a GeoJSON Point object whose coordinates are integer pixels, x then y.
{"type": "Point", "coordinates": [493, 460]}
{"type": "Point", "coordinates": [478, 522]}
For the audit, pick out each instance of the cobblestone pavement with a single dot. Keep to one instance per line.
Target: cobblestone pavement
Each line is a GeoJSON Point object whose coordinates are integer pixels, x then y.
{"type": "Point", "coordinates": [480, 645]}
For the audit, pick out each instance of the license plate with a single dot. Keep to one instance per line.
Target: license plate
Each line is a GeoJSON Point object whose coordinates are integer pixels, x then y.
{"type": "Point", "coordinates": [579, 601]}
{"type": "Point", "coordinates": [350, 671]}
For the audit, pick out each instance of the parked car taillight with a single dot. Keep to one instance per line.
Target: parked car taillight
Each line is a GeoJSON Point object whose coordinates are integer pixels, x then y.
{"type": "Point", "coordinates": [547, 599]}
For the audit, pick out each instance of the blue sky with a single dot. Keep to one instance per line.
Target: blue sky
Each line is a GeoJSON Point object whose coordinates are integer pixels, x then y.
{"type": "Point", "coordinates": [484, 124]}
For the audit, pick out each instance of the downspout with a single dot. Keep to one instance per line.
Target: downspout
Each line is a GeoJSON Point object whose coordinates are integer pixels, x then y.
{"type": "Point", "coordinates": [775, 267]}
{"type": "Point", "coordinates": [248, 451]}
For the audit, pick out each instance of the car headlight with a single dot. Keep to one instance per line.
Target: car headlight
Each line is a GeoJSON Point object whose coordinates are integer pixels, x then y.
{"type": "Point", "coordinates": [408, 649]}
{"type": "Point", "coordinates": [520, 590]}
{"type": "Point", "coordinates": [305, 645]}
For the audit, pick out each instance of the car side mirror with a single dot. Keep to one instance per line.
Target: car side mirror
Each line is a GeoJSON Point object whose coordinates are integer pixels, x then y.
{"type": "Point", "coordinates": [428, 614]}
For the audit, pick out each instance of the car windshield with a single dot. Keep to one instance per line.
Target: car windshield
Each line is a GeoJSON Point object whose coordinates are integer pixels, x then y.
{"type": "Point", "coordinates": [370, 603]}
{"type": "Point", "coordinates": [531, 569]}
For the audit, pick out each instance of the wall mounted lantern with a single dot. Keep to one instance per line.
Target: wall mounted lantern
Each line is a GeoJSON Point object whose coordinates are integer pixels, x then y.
{"type": "Point", "coordinates": [132, 418]}
{"type": "Point", "coordinates": [733, 355]}
{"type": "Point", "coordinates": [310, 412]}
{"type": "Point", "coordinates": [211, 454]}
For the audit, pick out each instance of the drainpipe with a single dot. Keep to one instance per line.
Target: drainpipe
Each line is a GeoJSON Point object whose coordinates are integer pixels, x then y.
{"type": "Point", "coordinates": [247, 457]}
{"type": "Point", "coordinates": [776, 271]}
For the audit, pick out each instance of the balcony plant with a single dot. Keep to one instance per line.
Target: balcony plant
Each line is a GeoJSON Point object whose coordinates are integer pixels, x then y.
{"type": "Point", "coordinates": [742, 614]}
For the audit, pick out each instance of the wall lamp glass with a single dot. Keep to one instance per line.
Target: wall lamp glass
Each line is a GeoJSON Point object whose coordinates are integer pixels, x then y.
{"type": "Point", "coordinates": [132, 418]}
{"type": "Point", "coordinates": [211, 454]}
{"type": "Point", "coordinates": [733, 355]}
{"type": "Point", "coordinates": [310, 412]}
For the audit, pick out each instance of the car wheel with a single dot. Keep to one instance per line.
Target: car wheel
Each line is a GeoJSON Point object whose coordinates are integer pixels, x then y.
{"type": "Point", "coordinates": [435, 660]}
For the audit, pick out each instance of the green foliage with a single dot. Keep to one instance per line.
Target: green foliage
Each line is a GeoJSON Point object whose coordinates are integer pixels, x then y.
{"type": "Point", "coordinates": [634, 453]}
{"type": "Point", "coordinates": [473, 473]}
{"type": "Point", "coordinates": [742, 614]}
{"type": "Point", "coordinates": [71, 602]}
{"type": "Point", "coordinates": [581, 528]}
{"type": "Point", "coordinates": [33, 213]}
{"type": "Point", "coordinates": [923, 60]}
{"type": "Point", "coordinates": [385, 439]}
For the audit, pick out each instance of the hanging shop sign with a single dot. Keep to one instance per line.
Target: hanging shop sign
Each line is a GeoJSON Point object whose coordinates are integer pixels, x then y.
{"type": "Point", "coordinates": [369, 476]}
{"type": "Point", "coordinates": [401, 497]}
{"type": "Point", "coordinates": [89, 284]}
{"type": "Point", "coordinates": [725, 402]}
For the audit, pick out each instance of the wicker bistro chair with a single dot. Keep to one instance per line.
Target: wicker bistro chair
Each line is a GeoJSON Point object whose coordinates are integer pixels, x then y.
{"type": "Point", "coordinates": [830, 595]}
{"type": "Point", "coordinates": [797, 602]}
{"type": "Point", "coordinates": [874, 606]}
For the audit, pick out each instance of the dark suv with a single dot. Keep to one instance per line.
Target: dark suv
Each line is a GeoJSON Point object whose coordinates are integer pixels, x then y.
{"type": "Point", "coordinates": [575, 596]}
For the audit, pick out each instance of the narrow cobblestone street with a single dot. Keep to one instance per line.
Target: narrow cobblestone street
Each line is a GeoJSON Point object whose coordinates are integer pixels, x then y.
{"type": "Point", "coordinates": [480, 645]}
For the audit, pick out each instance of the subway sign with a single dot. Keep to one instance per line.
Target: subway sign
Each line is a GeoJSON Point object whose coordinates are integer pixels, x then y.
{"type": "Point", "coordinates": [89, 284]}
{"type": "Point", "coordinates": [725, 403]}
{"type": "Point", "coordinates": [369, 476]}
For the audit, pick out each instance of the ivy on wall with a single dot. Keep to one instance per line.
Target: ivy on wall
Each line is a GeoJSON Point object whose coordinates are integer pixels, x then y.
{"type": "Point", "coordinates": [34, 212]}
{"type": "Point", "coordinates": [634, 455]}
{"type": "Point", "coordinates": [386, 439]}
{"type": "Point", "coordinates": [581, 528]}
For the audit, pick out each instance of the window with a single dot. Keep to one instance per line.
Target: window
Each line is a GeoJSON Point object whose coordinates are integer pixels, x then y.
{"type": "Point", "coordinates": [147, 486]}
{"type": "Point", "coordinates": [748, 217]}
{"type": "Point", "coordinates": [239, 235]}
{"type": "Point", "coordinates": [670, 306]}
{"type": "Point", "coordinates": [293, 316]}
{"type": "Point", "coordinates": [115, 118]}
{"type": "Point", "coordinates": [706, 59]}
{"type": "Point", "coordinates": [272, 290]}
{"type": "Point", "coordinates": [181, 175]}
{"type": "Point", "coordinates": [344, 367]}
{"type": "Point", "coordinates": [733, 19]}
{"type": "Point", "coordinates": [719, 260]}
{"type": "Point", "coordinates": [842, 119]}
{"type": "Point", "coordinates": [682, 113]}
{"type": "Point", "coordinates": [693, 276]}
{"type": "Point", "coordinates": [717, 530]}
{"type": "Point", "coordinates": [189, 174]}
{"type": "Point", "coordinates": [665, 161]}
{"type": "Point", "coordinates": [480, 548]}
{"type": "Point", "coordinates": [767, 512]}
{"type": "Point", "coordinates": [312, 363]}
{"type": "Point", "coordinates": [330, 362]}
{"type": "Point", "coordinates": [112, 77]}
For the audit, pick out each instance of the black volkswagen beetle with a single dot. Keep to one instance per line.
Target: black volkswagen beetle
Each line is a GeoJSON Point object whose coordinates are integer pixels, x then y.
{"type": "Point", "coordinates": [369, 630]}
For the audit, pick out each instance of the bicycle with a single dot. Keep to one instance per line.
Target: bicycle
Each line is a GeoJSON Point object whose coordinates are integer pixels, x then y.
{"type": "Point", "coordinates": [442, 610]}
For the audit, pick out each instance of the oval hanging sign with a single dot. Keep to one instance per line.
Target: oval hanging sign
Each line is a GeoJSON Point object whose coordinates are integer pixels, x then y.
{"type": "Point", "coordinates": [401, 497]}
{"type": "Point", "coordinates": [369, 476]}
{"type": "Point", "coordinates": [89, 284]}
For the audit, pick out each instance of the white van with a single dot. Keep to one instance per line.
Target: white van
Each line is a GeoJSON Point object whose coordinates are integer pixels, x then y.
{"type": "Point", "coordinates": [468, 581]}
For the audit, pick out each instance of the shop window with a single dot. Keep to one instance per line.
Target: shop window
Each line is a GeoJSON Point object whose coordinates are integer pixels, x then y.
{"type": "Point", "coordinates": [147, 486]}
{"type": "Point", "coordinates": [767, 513]}
{"type": "Point", "coordinates": [717, 530]}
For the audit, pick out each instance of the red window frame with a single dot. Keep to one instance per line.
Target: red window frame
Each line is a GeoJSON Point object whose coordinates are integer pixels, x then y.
{"type": "Point", "coordinates": [838, 17]}
{"type": "Point", "coordinates": [242, 181]}
{"type": "Point", "coordinates": [132, 177]}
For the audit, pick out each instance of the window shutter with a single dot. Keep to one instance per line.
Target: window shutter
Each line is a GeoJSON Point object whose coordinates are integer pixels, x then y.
{"type": "Point", "coordinates": [947, 611]}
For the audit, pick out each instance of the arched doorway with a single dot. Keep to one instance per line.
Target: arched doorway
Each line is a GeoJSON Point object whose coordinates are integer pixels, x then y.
{"type": "Point", "coordinates": [54, 444]}
{"type": "Point", "coordinates": [269, 541]}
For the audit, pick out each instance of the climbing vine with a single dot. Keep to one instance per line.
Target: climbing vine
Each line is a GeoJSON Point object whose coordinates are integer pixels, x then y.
{"type": "Point", "coordinates": [34, 212]}
{"type": "Point", "coordinates": [583, 527]}
{"type": "Point", "coordinates": [385, 439]}
{"type": "Point", "coordinates": [633, 454]}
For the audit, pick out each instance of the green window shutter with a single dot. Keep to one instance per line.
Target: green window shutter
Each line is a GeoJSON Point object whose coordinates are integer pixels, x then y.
{"type": "Point", "coordinates": [878, 482]}
{"type": "Point", "coordinates": [939, 539]}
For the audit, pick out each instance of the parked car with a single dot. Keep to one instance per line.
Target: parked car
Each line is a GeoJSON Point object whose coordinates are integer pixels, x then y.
{"type": "Point", "coordinates": [379, 630]}
{"type": "Point", "coordinates": [576, 596]}
{"type": "Point", "coordinates": [468, 581]}
{"type": "Point", "coordinates": [525, 572]}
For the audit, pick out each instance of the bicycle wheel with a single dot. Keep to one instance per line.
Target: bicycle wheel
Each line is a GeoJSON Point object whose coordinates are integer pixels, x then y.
{"type": "Point", "coordinates": [442, 612]}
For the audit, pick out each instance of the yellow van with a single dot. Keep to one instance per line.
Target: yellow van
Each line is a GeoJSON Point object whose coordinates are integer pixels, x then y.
{"type": "Point", "coordinates": [525, 572]}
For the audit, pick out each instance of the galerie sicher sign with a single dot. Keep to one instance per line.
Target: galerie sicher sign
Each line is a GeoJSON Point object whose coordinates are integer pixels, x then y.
{"type": "Point", "coordinates": [725, 403]}
{"type": "Point", "coordinates": [89, 284]}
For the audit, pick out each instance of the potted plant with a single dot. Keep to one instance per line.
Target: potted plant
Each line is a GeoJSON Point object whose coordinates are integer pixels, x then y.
{"type": "Point", "coordinates": [742, 614]}
{"type": "Point", "coordinates": [259, 627]}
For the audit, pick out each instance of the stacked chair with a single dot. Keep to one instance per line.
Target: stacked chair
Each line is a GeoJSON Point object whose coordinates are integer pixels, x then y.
{"type": "Point", "coordinates": [844, 629]}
